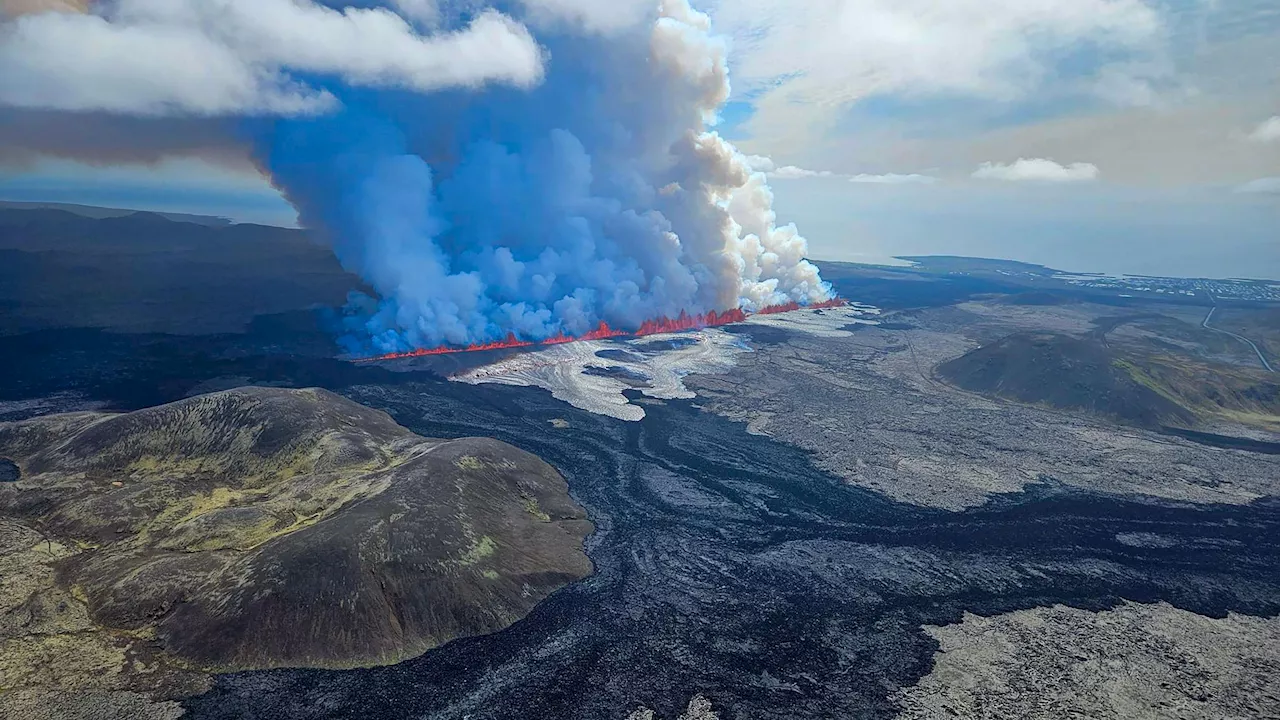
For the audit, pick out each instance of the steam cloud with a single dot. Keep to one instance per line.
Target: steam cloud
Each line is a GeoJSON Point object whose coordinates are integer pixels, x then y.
{"type": "Point", "coordinates": [535, 203]}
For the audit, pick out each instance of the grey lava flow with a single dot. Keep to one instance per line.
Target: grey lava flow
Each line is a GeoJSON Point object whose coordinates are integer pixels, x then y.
{"type": "Point", "coordinates": [727, 566]}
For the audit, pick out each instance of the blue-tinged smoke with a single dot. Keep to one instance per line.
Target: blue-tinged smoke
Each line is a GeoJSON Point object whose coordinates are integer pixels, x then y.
{"type": "Point", "coordinates": [597, 195]}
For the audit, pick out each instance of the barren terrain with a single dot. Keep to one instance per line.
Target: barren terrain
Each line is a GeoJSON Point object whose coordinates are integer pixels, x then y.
{"type": "Point", "coordinates": [1136, 662]}
{"type": "Point", "coordinates": [873, 411]}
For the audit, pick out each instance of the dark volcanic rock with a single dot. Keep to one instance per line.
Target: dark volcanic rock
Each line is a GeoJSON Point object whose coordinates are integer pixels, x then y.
{"type": "Point", "coordinates": [1038, 298]}
{"type": "Point", "coordinates": [627, 375]}
{"type": "Point", "coordinates": [726, 564]}
{"type": "Point", "coordinates": [762, 334]}
{"type": "Point", "coordinates": [673, 343]}
{"type": "Point", "coordinates": [884, 326]}
{"type": "Point", "coordinates": [262, 527]}
{"type": "Point", "coordinates": [9, 472]}
{"type": "Point", "coordinates": [618, 354]}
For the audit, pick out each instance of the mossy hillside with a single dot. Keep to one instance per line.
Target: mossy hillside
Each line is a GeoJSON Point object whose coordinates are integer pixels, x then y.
{"type": "Point", "coordinates": [266, 528]}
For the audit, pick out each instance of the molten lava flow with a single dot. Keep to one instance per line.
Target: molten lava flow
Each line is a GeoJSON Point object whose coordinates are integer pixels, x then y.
{"type": "Point", "coordinates": [683, 323]}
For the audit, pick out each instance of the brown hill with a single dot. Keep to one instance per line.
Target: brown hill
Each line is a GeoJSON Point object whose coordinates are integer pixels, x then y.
{"type": "Point", "coordinates": [263, 528]}
{"type": "Point", "coordinates": [1064, 372]}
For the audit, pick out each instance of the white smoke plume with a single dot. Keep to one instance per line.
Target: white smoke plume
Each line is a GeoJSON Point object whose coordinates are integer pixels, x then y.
{"type": "Point", "coordinates": [601, 195]}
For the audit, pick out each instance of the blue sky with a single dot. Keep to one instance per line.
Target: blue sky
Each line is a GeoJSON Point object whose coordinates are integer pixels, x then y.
{"type": "Point", "coordinates": [1175, 232]}
{"type": "Point", "coordinates": [1162, 107]}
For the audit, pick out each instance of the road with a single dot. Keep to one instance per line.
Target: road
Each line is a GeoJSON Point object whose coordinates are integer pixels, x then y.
{"type": "Point", "coordinates": [1261, 358]}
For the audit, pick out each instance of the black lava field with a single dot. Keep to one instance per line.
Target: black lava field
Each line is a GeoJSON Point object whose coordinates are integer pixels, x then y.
{"type": "Point", "coordinates": [726, 564]}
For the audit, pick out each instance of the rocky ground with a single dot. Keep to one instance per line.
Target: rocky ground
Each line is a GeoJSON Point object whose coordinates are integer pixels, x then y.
{"type": "Point", "coordinates": [749, 569]}
{"type": "Point", "coordinates": [728, 567]}
{"type": "Point", "coordinates": [817, 529]}
{"type": "Point", "coordinates": [699, 709]}
{"type": "Point", "coordinates": [1136, 662]}
{"type": "Point", "coordinates": [259, 528]}
{"type": "Point", "coordinates": [872, 411]}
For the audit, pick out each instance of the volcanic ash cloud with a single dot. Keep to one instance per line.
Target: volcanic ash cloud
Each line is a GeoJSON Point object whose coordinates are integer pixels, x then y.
{"type": "Point", "coordinates": [596, 195]}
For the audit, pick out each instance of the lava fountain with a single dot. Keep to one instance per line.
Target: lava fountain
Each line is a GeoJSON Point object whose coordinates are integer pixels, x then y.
{"type": "Point", "coordinates": [663, 325]}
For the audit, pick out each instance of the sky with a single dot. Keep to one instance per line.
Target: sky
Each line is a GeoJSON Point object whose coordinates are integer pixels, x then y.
{"type": "Point", "coordinates": [1138, 136]}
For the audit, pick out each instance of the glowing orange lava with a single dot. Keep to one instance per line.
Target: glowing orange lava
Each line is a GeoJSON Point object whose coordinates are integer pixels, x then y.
{"type": "Point", "coordinates": [683, 323]}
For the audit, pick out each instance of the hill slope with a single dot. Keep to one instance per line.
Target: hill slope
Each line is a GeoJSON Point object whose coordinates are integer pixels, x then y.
{"type": "Point", "coordinates": [262, 528]}
{"type": "Point", "coordinates": [1063, 372]}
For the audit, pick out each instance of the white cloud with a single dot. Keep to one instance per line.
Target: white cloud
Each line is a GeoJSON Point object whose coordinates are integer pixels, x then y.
{"type": "Point", "coordinates": [1266, 185]}
{"type": "Point", "coordinates": [1037, 170]}
{"type": "Point", "coordinates": [765, 164]}
{"type": "Point", "coordinates": [1130, 84]}
{"type": "Point", "coordinates": [1268, 131]}
{"type": "Point", "coordinates": [823, 55]}
{"type": "Point", "coordinates": [165, 57]}
{"type": "Point", "coordinates": [592, 15]}
{"type": "Point", "coordinates": [791, 172]}
{"type": "Point", "coordinates": [426, 12]}
{"type": "Point", "coordinates": [894, 179]}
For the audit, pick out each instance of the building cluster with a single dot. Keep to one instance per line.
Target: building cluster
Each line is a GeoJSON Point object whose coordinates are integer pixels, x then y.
{"type": "Point", "coordinates": [1254, 290]}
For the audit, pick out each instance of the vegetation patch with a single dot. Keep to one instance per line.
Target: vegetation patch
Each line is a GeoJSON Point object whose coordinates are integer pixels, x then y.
{"type": "Point", "coordinates": [479, 551]}
{"type": "Point", "coordinates": [466, 462]}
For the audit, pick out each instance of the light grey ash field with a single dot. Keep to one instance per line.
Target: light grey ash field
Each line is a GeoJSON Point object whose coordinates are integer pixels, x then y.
{"type": "Point", "coordinates": [864, 394]}
{"type": "Point", "coordinates": [874, 411]}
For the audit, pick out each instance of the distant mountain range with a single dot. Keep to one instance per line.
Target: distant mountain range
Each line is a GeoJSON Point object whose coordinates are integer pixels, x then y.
{"type": "Point", "coordinates": [102, 213]}
{"type": "Point", "coordinates": [67, 266]}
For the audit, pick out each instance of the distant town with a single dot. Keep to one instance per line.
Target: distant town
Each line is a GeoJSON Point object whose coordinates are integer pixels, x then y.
{"type": "Point", "coordinates": [1029, 276]}
{"type": "Point", "coordinates": [1249, 290]}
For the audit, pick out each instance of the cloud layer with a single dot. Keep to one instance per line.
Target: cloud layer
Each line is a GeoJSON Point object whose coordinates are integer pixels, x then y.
{"type": "Point", "coordinates": [193, 57]}
{"type": "Point", "coordinates": [601, 16]}
{"type": "Point", "coordinates": [894, 179]}
{"type": "Point", "coordinates": [1037, 170]}
{"type": "Point", "coordinates": [825, 55]}
{"type": "Point", "coordinates": [1261, 186]}
{"type": "Point", "coordinates": [791, 172]}
{"type": "Point", "coordinates": [764, 164]}
{"type": "Point", "coordinates": [1267, 132]}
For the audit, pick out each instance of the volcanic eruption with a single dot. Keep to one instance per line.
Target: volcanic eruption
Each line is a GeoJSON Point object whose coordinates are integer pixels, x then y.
{"type": "Point", "coordinates": [682, 323]}
{"type": "Point", "coordinates": [595, 202]}
{"type": "Point", "coordinates": [497, 171]}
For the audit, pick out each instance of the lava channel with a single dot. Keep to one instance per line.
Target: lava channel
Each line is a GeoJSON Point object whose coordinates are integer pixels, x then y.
{"type": "Point", "coordinates": [684, 323]}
